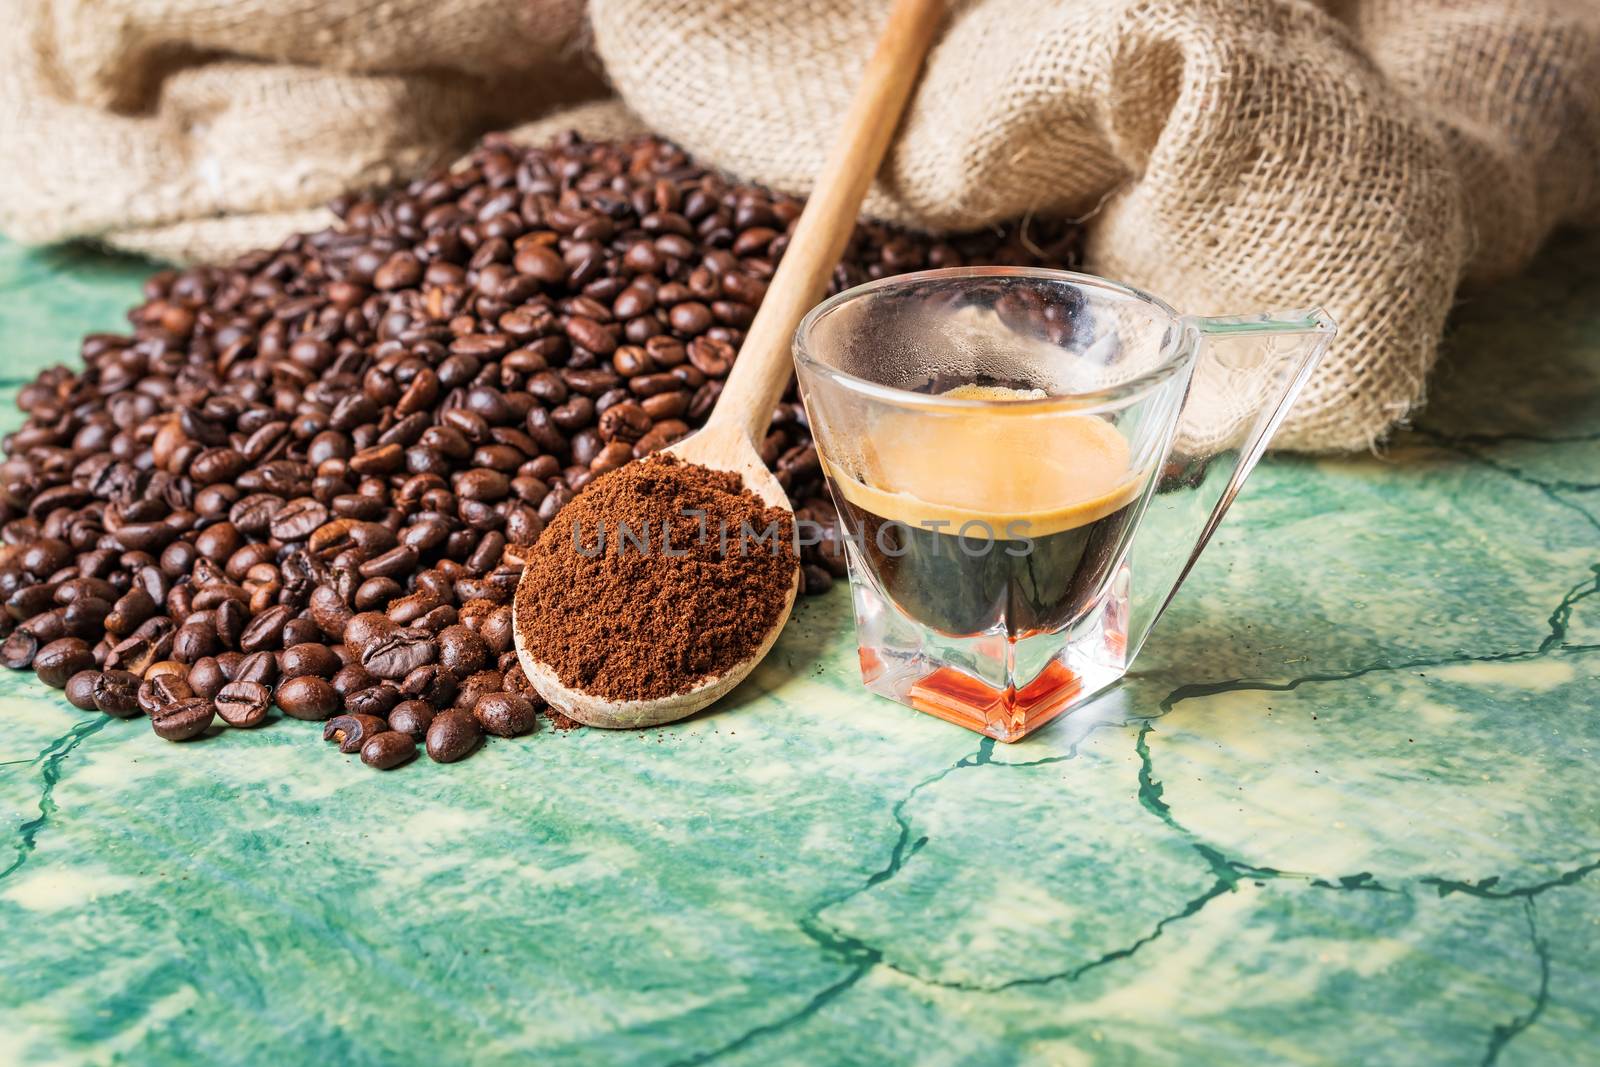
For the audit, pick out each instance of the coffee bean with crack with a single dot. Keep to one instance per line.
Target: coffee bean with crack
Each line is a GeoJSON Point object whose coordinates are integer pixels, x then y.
{"type": "Point", "coordinates": [243, 705]}
{"type": "Point", "coordinates": [116, 693]}
{"type": "Point", "coordinates": [162, 690]}
{"type": "Point", "coordinates": [259, 667]}
{"type": "Point", "coordinates": [265, 632]}
{"type": "Point", "coordinates": [399, 652]}
{"type": "Point", "coordinates": [298, 519]}
{"type": "Point", "coordinates": [183, 720]}
{"type": "Point", "coordinates": [353, 731]}
{"type": "Point", "coordinates": [374, 700]}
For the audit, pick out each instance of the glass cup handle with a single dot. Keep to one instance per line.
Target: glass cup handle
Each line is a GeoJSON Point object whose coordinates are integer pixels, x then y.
{"type": "Point", "coordinates": [1248, 372]}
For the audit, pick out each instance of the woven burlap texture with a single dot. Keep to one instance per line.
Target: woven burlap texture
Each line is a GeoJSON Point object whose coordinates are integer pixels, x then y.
{"type": "Point", "coordinates": [191, 129]}
{"type": "Point", "coordinates": [1229, 155]}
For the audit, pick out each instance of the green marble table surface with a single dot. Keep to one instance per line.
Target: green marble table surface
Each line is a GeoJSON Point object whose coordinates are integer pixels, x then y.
{"type": "Point", "coordinates": [1347, 811]}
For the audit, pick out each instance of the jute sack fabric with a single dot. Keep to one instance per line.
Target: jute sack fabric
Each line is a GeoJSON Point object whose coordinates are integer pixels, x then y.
{"type": "Point", "coordinates": [1229, 155]}
{"type": "Point", "coordinates": [193, 129]}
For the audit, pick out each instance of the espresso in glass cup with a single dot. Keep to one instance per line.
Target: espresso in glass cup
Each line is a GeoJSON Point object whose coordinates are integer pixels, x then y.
{"type": "Point", "coordinates": [966, 540]}
{"type": "Point", "coordinates": [1019, 495]}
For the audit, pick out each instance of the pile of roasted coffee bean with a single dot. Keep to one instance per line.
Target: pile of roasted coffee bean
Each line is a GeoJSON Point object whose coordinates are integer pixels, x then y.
{"type": "Point", "coordinates": [306, 478]}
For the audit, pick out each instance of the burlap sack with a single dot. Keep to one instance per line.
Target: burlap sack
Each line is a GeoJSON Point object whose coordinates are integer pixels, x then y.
{"type": "Point", "coordinates": [191, 129]}
{"type": "Point", "coordinates": [1230, 155]}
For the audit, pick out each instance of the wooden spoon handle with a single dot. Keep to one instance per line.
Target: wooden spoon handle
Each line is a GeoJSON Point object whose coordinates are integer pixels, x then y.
{"type": "Point", "coordinates": [819, 238]}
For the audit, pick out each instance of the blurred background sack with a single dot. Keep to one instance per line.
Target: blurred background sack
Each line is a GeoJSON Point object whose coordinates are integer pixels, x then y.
{"type": "Point", "coordinates": [1228, 155]}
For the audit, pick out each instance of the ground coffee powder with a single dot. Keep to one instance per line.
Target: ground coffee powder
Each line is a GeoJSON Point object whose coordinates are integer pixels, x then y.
{"type": "Point", "coordinates": [660, 575]}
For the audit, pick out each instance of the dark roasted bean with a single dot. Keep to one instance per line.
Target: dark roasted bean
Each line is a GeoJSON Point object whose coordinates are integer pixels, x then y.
{"type": "Point", "coordinates": [452, 736]}
{"type": "Point", "coordinates": [307, 697]}
{"type": "Point", "coordinates": [387, 750]}
{"type": "Point", "coordinates": [19, 649]}
{"type": "Point", "coordinates": [256, 667]}
{"type": "Point", "coordinates": [243, 705]}
{"type": "Point", "coordinates": [298, 519]}
{"type": "Point", "coordinates": [373, 700]}
{"type": "Point", "coordinates": [351, 678]}
{"type": "Point", "coordinates": [206, 678]}
{"type": "Point", "coordinates": [183, 720]}
{"type": "Point", "coordinates": [352, 731]}
{"type": "Point", "coordinates": [308, 657]}
{"type": "Point", "coordinates": [116, 693]}
{"type": "Point", "coordinates": [160, 690]}
{"type": "Point", "coordinates": [61, 659]}
{"type": "Point", "coordinates": [461, 651]}
{"type": "Point", "coordinates": [412, 717]}
{"type": "Point", "coordinates": [398, 653]}
{"type": "Point", "coordinates": [505, 714]}
{"type": "Point", "coordinates": [80, 689]}
{"type": "Point", "coordinates": [265, 632]}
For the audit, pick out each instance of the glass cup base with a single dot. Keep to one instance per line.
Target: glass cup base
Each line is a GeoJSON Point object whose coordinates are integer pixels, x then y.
{"type": "Point", "coordinates": [991, 683]}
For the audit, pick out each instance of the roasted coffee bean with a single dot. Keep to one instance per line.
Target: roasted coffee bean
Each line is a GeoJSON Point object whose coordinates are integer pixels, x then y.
{"type": "Point", "coordinates": [365, 628]}
{"type": "Point", "coordinates": [373, 700]}
{"type": "Point", "coordinates": [183, 720]}
{"type": "Point", "coordinates": [166, 666]}
{"type": "Point", "coordinates": [307, 658]}
{"type": "Point", "coordinates": [307, 697]}
{"type": "Point", "coordinates": [351, 678]}
{"type": "Point", "coordinates": [160, 690]}
{"type": "Point", "coordinates": [193, 641]}
{"type": "Point", "coordinates": [431, 683]}
{"type": "Point", "coordinates": [461, 651]}
{"type": "Point", "coordinates": [206, 678]}
{"type": "Point", "coordinates": [259, 667]}
{"type": "Point", "coordinates": [116, 693]}
{"type": "Point", "coordinates": [298, 519]}
{"type": "Point", "coordinates": [412, 717]}
{"type": "Point", "coordinates": [398, 653]}
{"type": "Point", "coordinates": [18, 650]}
{"type": "Point", "coordinates": [329, 611]}
{"type": "Point", "coordinates": [128, 611]}
{"type": "Point", "coordinates": [61, 659]}
{"type": "Point", "coordinates": [452, 736]}
{"type": "Point", "coordinates": [505, 714]}
{"type": "Point", "coordinates": [475, 686]}
{"type": "Point", "coordinates": [80, 689]}
{"type": "Point", "coordinates": [497, 630]}
{"type": "Point", "coordinates": [387, 750]}
{"type": "Point", "coordinates": [265, 632]}
{"type": "Point", "coordinates": [301, 632]}
{"type": "Point", "coordinates": [353, 731]}
{"type": "Point", "coordinates": [243, 705]}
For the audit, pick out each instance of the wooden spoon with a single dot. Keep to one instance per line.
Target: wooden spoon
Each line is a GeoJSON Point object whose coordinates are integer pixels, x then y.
{"type": "Point", "coordinates": [730, 437]}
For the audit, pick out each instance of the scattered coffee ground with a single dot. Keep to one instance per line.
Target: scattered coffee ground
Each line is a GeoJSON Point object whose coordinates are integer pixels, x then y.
{"type": "Point", "coordinates": [660, 575]}
{"type": "Point", "coordinates": [317, 470]}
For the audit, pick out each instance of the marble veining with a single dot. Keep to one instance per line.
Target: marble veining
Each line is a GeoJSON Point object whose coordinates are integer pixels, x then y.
{"type": "Point", "coordinates": [1345, 810]}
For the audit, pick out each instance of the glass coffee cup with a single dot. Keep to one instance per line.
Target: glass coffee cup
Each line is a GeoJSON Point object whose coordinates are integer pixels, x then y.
{"type": "Point", "coordinates": [1026, 464]}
